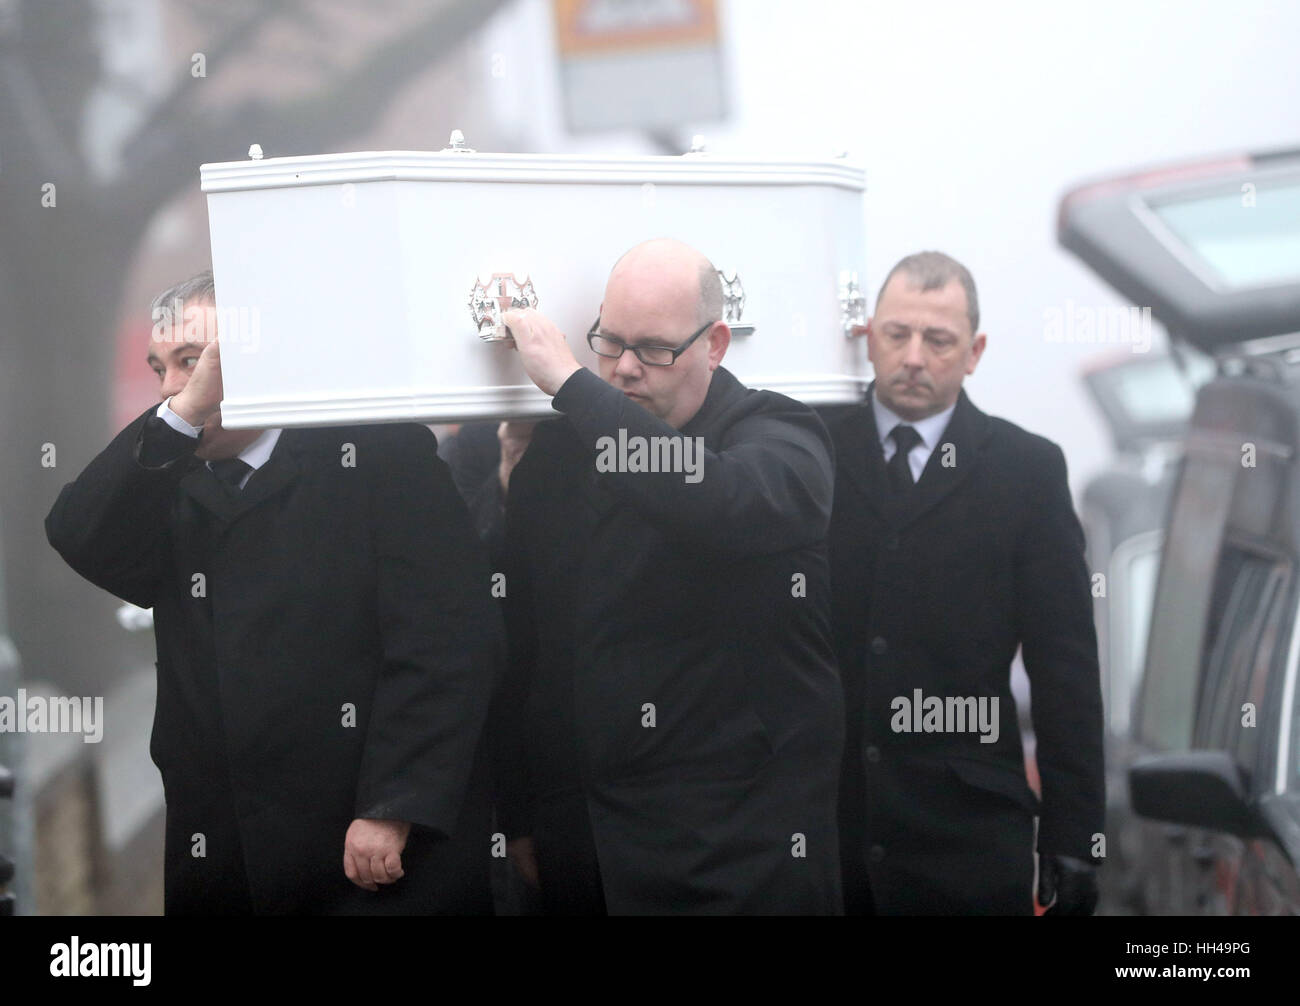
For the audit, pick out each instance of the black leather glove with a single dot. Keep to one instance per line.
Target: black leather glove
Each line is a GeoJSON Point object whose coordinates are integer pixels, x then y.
{"type": "Point", "coordinates": [1071, 882]}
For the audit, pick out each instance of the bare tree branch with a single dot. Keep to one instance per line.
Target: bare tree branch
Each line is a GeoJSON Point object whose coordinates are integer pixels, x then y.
{"type": "Point", "coordinates": [153, 137]}
{"type": "Point", "coordinates": [47, 67]}
{"type": "Point", "coordinates": [184, 137]}
{"type": "Point", "coordinates": [53, 156]}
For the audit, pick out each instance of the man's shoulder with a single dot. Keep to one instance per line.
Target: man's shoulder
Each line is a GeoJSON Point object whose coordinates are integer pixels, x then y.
{"type": "Point", "coordinates": [740, 403]}
{"type": "Point", "coordinates": [765, 400]}
{"type": "Point", "coordinates": [1029, 449]}
{"type": "Point", "coordinates": [390, 438]}
{"type": "Point", "coordinates": [1028, 465]}
{"type": "Point", "coordinates": [379, 454]}
{"type": "Point", "coordinates": [840, 420]}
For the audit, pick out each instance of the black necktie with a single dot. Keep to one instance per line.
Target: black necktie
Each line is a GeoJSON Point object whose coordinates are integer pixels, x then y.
{"type": "Point", "coordinates": [900, 472]}
{"type": "Point", "coordinates": [231, 471]}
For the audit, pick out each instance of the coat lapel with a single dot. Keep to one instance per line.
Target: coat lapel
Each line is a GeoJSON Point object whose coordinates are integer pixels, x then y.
{"type": "Point", "coordinates": [204, 487]}
{"type": "Point", "coordinates": [961, 442]}
{"type": "Point", "coordinates": [281, 468]}
{"type": "Point", "coordinates": [859, 456]}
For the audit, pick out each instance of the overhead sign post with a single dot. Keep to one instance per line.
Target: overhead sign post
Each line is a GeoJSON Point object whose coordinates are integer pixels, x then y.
{"type": "Point", "coordinates": [639, 64]}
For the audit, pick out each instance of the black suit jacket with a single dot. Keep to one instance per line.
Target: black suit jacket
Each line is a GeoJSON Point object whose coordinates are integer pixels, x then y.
{"type": "Point", "coordinates": [935, 592]}
{"type": "Point", "coordinates": [708, 602]}
{"type": "Point", "coordinates": [327, 644]}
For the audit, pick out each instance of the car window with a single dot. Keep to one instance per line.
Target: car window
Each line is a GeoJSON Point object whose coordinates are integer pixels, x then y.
{"type": "Point", "coordinates": [1240, 250]}
{"type": "Point", "coordinates": [1166, 715]}
{"type": "Point", "coordinates": [1133, 569]}
{"type": "Point", "coordinates": [1242, 643]}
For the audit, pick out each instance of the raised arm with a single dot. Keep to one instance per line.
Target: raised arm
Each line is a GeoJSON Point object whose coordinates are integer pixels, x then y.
{"type": "Point", "coordinates": [111, 523]}
{"type": "Point", "coordinates": [766, 487]}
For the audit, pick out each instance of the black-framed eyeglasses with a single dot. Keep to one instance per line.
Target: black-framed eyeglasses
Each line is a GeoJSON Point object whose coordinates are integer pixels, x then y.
{"type": "Point", "coordinates": [652, 356]}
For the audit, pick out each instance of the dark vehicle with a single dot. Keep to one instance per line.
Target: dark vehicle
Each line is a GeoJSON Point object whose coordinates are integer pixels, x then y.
{"type": "Point", "coordinates": [1211, 742]}
{"type": "Point", "coordinates": [1147, 402]}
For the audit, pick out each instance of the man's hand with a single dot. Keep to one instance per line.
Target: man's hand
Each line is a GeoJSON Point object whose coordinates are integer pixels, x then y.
{"type": "Point", "coordinates": [372, 850]}
{"type": "Point", "coordinates": [546, 356]}
{"type": "Point", "coordinates": [520, 852]}
{"type": "Point", "coordinates": [1072, 882]}
{"type": "Point", "coordinates": [202, 394]}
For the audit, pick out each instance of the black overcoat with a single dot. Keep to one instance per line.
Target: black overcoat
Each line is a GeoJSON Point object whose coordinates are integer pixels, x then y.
{"type": "Point", "coordinates": [984, 555]}
{"type": "Point", "coordinates": [671, 653]}
{"type": "Point", "coordinates": [327, 645]}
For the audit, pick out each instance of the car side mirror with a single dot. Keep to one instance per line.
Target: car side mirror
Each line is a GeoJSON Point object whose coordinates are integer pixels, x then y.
{"type": "Point", "coordinates": [1203, 789]}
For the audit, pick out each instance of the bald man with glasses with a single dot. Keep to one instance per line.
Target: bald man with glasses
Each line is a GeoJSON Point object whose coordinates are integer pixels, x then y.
{"type": "Point", "coordinates": [672, 721]}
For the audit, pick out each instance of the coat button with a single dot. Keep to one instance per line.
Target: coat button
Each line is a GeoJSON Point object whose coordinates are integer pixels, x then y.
{"type": "Point", "coordinates": [876, 853]}
{"type": "Point", "coordinates": [873, 753]}
{"type": "Point", "coordinates": [878, 645]}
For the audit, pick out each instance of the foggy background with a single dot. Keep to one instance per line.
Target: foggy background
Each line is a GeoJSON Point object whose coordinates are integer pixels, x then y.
{"type": "Point", "coordinates": [970, 121]}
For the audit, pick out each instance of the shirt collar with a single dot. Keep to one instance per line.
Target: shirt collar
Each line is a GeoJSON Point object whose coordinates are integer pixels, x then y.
{"type": "Point", "coordinates": [930, 429]}
{"type": "Point", "coordinates": [258, 452]}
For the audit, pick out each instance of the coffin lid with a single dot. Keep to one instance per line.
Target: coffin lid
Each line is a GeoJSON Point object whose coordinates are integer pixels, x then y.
{"type": "Point", "coordinates": [463, 166]}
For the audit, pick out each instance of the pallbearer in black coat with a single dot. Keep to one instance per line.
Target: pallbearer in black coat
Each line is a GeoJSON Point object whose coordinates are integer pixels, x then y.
{"type": "Point", "coordinates": [671, 684]}
{"type": "Point", "coordinates": [327, 645]}
{"type": "Point", "coordinates": [954, 542]}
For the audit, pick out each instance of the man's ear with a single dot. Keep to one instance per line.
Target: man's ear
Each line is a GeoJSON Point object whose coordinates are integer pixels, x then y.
{"type": "Point", "coordinates": [976, 351]}
{"type": "Point", "coordinates": [719, 340]}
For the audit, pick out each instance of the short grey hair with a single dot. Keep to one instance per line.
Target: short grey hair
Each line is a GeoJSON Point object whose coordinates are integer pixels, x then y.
{"type": "Point", "coordinates": [933, 270]}
{"type": "Point", "coordinates": [709, 307]}
{"type": "Point", "coordinates": [199, 289]}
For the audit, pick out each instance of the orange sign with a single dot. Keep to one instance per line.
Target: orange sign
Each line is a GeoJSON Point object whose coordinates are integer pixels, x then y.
{"type": "Point", "coordinates": [584, 27]}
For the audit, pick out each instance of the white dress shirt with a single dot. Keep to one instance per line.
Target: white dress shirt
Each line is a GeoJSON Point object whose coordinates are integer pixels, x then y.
{"type": "Point", "coordinates": [255, 455]}
{"type": "Point", "coordinates": [930, 429]}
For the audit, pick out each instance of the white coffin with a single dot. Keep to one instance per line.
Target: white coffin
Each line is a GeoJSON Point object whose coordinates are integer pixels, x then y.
{"type": "Point", "coordinates": [344, 281]}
